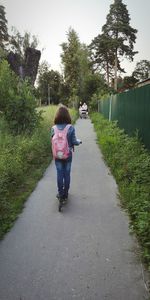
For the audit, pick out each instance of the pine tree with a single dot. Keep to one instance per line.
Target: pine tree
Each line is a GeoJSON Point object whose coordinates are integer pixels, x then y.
{"type": "Point", "coordinates": [122, 35]}
{"type": "Point", "coordinates": [101, 55]}
{"type": "Point", "coordinates": [3, 28]}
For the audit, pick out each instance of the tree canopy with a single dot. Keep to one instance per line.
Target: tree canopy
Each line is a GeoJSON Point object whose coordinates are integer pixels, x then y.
{"type": "Point", "coordinates": [116, 41]}
{"type": "Point", "coordinates": [49, 84]}
{"type": "Point", "coordinates": [71, 62]}
{"type": "Point", "coordinates": [79, 74]}
{"type": "Point", "coordinates": [19, 43]}
{"type": "Point", "coordinates": [3, 27]}
{"type": "Point", "coordinates": [142, 70]}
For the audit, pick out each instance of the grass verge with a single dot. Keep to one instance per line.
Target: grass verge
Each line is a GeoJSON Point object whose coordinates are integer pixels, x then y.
{"type": "Point", "coordinates": [23, 160]}
{"type": "Point", "coordinates": [129, 162]}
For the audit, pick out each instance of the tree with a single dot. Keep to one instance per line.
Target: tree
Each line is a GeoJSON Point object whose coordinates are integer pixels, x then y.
{"type": "Point", "coordinates": [77, 67]}
{"type": "Point", "coordinates": [122, 35]}
{"type": "Point", "coordinates": [94, 84]}
{"type": "Point", "coordinates": [101, 55]}
{"type": "Point", "coordinates": [49, 84]}
{"type": "Point", "coordinates": [3, 28]}
{"type": "Point", "coordinates": [24, 57]}
{"type": "Point", "coordinates": [19, 43]}
{"type": "Point", "coordinates": [85, 71]}
{"type": "Point", "coordinates": [43, 68]}
{"type": "Point", "coordinates": [125, 83]}
{"type": "Point", "coordinates": [80, 79]}
{"type": "Point", "coordinates": [71, 62]}
{"type": "Point", "coordinates": [142, 70]}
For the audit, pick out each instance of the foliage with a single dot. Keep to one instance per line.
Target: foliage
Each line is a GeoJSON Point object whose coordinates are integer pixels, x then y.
{"type": "Point", "coordinates": [117, 26]}
{"type": "Point", "coordinates": [21, 113]}
{"type": "Point", "coordinates": [78, 74]}
{"type": "Point", "coordinates": [49, 85]}
{"type": "Point", "coordinates": [71, 62]}
{"type": "Point", "coordinates": [17, 101]}
{"type": "Point", "coordinates": [23, 159]}
{"type": "Point", "coordinates": [8, 83]}
{"type": "Point", "coordinates": [103, 92]}
{"type": "Point", "coordinates": [130, 164]}
{"type": "Point", "coordinates": [23, 56]}
{"type": "Point", "coordinates": [80, 80]}
{"type": "Point", "coordinates": [128, 82]}
{"type": "Point", "coordinates": [102, 56]}
{"type": "Point", "coordinates": [117, 40]}
{"type": "Point", "coordinates": [94, 103]}
{"type": "Point", "coordinates": [85, 73]}
{"type": "Point", "coordinates": [142, 70]}
{"type": "Point", "coordinates": [3, 28]}
{"type": "Point", "coordinates": [19, 43]}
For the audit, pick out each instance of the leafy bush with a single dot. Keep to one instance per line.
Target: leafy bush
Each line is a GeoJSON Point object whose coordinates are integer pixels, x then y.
{"type": "Point", "coordinates": [8, 83]}
{"type": "Point", "coordinates": [20, 112]}
{"type": "Point", "coordinates": [94, 103]}
{"type": "Point", "coordinates": [130, 164]}
{"type": "Point", "coordinates": [17, 102]}
{"type": "Point", "coordinates": [102, 94]}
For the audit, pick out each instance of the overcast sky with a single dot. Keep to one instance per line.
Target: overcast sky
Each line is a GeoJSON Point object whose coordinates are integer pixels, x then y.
{"type": "Point", "coordinates": [50, 20]}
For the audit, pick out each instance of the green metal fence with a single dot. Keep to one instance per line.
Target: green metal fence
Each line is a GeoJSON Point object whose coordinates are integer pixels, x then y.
{"type": "Point", "coordinates": [132, 110]}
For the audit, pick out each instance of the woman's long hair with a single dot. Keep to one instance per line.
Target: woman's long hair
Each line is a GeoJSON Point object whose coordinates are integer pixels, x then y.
{"type": "Point", "coordinates": [62, 116]}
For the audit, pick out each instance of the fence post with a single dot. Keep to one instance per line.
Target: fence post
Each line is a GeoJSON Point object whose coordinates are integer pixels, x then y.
{"type": "Point", "coordinates": [98, 105]}
{"type": "Point", "coordinates": [110, 103]}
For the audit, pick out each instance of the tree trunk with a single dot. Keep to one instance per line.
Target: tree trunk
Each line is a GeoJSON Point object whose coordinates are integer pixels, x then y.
{"type": "Point", "coordinates": [115, 71]}
{"type": "Point", "coordinates": [107, 73]}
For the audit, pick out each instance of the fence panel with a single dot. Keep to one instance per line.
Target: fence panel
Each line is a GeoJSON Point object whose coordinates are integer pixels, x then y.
{"type": "Point", "coordinates": [132, 110]}
{"type": "Point", "coordinates": [104, 107]}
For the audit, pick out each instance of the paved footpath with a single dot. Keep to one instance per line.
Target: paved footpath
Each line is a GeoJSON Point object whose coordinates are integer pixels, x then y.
{"type": "Point", "coordinates": [84, 253]}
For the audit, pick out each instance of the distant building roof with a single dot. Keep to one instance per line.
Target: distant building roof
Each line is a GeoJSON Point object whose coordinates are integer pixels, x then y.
{"type": "Point", "coordinates": [143, 82]}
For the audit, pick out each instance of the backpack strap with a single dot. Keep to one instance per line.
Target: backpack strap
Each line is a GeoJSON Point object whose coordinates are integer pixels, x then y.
{"type": "Point", "coordinates": [55, 128]}
{"type": "Point", "coordinates": [66, 128]}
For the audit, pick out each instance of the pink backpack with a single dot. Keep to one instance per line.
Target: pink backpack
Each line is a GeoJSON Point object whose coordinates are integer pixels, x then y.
{"type": "Point", "coordinates": [60, 147]}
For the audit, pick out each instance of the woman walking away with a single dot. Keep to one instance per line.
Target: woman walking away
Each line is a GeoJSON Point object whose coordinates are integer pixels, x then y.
{"type": "Point", "coordinates": [63, 141]}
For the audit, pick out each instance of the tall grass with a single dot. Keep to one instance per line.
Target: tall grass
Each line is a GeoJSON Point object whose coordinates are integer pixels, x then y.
{"type": "Point", "coordinates": [129, 162]}
{"type": "Point", "coordinates": [23, 159]}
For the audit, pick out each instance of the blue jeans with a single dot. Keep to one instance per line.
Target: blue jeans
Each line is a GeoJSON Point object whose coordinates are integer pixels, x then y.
{"type": "Point", "coordinates": [63, 177]}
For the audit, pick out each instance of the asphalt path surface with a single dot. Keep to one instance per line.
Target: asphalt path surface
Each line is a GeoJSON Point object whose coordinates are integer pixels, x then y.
{"type": "Point", "coordinates": [85, 252]}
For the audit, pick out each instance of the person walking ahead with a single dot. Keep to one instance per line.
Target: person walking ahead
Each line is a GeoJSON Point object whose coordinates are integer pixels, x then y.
{"type": "Point", "coordinates": [62, 120]}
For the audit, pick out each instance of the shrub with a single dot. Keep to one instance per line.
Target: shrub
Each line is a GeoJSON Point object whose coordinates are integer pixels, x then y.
{"type": "Point", "coordinates": [8, 83]}
{"type": "Point", "coordinates": [17, 102]}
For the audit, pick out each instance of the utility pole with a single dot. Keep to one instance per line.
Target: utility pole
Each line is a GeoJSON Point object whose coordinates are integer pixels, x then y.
{"type": "Point", "coordinates": [49, 96]}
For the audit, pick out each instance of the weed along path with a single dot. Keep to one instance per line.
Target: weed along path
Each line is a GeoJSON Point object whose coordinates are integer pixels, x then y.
{"type": "Point", "coordinates": [83, 253]}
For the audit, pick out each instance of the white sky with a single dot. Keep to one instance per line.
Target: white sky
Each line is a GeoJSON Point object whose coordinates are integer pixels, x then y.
{"type": "Point", "coordinates": [50, 20]}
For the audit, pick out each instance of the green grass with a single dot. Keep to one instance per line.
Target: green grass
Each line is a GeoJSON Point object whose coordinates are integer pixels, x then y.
{"type": "Point", "coordinates": [23, 160]}
{"type": "Point", "coordinates": [129, 162]}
